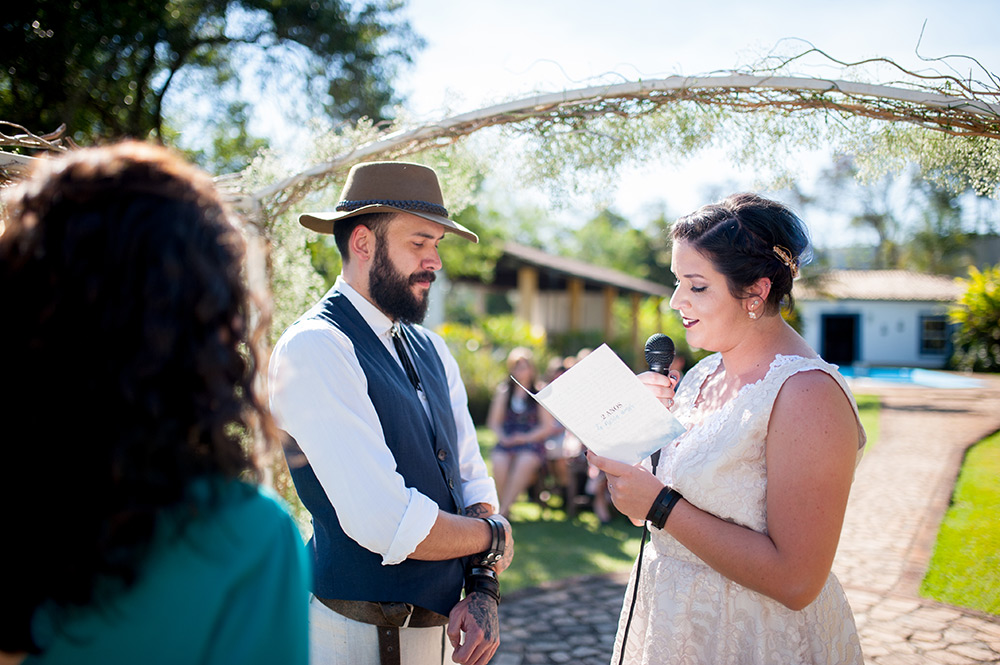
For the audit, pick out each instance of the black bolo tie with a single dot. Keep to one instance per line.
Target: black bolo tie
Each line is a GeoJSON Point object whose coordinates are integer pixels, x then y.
{"type": "Point", "coordinates": [404, 357]}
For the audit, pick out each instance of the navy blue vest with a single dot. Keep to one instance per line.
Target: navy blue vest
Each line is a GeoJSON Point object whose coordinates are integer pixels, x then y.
{"type": "Point", "coordinates": [426, 455]}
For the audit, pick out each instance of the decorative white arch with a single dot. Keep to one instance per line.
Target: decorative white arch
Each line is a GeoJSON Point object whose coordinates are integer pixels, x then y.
{"type": "Point", "coordinates": [960, 115]}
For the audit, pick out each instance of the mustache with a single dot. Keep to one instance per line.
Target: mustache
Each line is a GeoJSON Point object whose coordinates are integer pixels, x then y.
{"type": "Point", "coordinates": [423, 276]}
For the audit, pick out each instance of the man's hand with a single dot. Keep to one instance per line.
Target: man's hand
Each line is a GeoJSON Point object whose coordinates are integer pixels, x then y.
{"type": "Point", "coordinates": [476, 616]}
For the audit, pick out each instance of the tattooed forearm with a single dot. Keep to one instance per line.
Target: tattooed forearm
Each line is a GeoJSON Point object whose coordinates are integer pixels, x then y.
{"type": "Point", "coordinates": [484, 612]}
{"type": "Point", "coordinates": [478, 510]}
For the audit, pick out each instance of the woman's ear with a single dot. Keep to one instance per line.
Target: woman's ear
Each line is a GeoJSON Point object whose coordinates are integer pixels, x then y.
{"type": "Point", "coordinates": [761, 289]}
{"type": "Point", "coordinates": [756, 296]}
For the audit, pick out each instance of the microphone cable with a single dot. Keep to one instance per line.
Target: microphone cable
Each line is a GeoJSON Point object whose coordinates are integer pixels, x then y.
{"type": "Point", "coordinates": [659, 354]}
{"type": "Point", "coordinates": [638, 569]}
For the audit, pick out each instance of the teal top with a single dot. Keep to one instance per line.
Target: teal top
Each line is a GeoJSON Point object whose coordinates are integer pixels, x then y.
{"type": "Point", "coordinates": [231, 587]}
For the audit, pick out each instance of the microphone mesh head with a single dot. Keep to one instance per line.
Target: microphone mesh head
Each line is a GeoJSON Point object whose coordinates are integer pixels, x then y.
{"type": "Point", "coordinates": [659, 350]}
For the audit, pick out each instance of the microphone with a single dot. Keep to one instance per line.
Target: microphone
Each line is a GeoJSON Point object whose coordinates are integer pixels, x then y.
{"type": "Point", "coordinates": [659, 353]}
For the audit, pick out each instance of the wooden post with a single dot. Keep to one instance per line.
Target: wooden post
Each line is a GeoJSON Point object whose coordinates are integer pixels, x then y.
{"type": "Point", "coordinates": [527, 289]}
{"type": "Point", "coordinates": [574, 286]}
{"type": "Point", "coordinates": [610, 293]}
{"type": "Point", "coordinates": [637, 344]}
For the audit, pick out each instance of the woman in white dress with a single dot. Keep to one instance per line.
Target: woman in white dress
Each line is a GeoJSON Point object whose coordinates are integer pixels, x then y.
{"type": "Point", "coordinates": [744, 509]}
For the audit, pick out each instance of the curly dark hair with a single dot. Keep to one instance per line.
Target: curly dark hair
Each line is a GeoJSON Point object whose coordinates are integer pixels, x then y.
{"type": "Point", "coordinates": [130, 371]}
{"type": "Point", "coordinates": [739, 235]}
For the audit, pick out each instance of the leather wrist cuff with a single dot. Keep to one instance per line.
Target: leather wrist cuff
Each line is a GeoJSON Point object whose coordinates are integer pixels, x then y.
{"type": "Point", "coordinates": [497, 547]}
{"type": "Point", "coordinates": [482, 580]}
{"type": "Point", "coordinates": [664, 503]}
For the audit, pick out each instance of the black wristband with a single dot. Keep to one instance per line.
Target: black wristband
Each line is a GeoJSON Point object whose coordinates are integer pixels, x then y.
{"type": "Point", "coordinates": [482, 580]}
{"type": "Point", "coordinates": [664, 503]}
{"type": "Point", "coordinates": [498, 544]}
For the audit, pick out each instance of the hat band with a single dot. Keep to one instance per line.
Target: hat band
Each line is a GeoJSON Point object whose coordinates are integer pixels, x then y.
{"type": "Point", "coordinates": [417, 206]}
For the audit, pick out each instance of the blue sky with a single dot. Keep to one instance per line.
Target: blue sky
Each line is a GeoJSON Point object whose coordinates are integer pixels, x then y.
{"type": "Point", "coordinates": [484, 52]}
{"type": "Point", "coordinates": [479, 52]}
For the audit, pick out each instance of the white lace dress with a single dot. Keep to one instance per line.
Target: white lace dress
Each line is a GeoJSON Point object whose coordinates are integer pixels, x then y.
{"type": "Point", "coordinates": [687, 613]}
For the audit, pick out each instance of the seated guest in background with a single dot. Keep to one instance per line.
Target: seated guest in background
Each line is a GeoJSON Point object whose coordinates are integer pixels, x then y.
{"type": "Point", "coordinates": [522, 426]}
{"type": "Point", "coordinates": [135, 530]}
{"type": "Point", "coordinates": [557, 453]}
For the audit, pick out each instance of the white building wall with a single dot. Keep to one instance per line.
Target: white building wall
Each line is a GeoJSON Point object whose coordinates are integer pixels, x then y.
{"type": "Point", "coordinates": [889, 330]}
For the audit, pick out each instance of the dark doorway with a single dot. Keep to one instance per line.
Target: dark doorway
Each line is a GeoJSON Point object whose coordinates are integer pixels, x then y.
{"type": "Point", "coordinates": [840, 338]}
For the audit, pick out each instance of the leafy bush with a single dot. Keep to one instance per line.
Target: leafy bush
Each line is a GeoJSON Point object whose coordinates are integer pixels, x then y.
{"type": "Point", "coordinates": [653, 317]}
{"type": "Point", "coordinates": [977, 340]}
{"type": "Point", "coordinates": [481, 350]}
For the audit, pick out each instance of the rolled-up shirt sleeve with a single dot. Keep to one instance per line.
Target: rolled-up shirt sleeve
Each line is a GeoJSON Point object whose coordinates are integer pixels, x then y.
{"type": "Point", "coordinates": [319, 395]}
{"type": "Point", "coordinates": [477, 486]}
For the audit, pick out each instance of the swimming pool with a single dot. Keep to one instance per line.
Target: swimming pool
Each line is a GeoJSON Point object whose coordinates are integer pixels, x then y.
{"type": "Point", "coordinates": [914, 376]}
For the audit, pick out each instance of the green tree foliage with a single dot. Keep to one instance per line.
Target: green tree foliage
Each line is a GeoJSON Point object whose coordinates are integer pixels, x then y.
{"type": "Point", "coordinates": [230, 146]}
{"type": "Point", "coordinates": [481, 351]}
{"type": "Point", "coordinates": [609, 240]}
{"type": "Point", "coordinates": [939, 245]}
{"type": "Point", "coordinates": [104, 68]}
{"type": "Point", "coordinates": [465, 260]}
{"type": "Point", "coordinates": [920, 222]}
{"type": "Point", "coordinates": [977, 340]}
{"type": "Point", "coordinates": [874, 209]}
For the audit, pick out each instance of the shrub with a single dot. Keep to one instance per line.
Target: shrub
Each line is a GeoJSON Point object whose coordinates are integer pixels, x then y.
{"type": "Point", "coordinates": [481, 350]}
{"type": "Point", "coordinates": [977, 340]}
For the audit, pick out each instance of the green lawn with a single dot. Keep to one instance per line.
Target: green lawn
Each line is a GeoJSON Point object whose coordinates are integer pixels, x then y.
{"type": "Point", "coordinates": [547, 546]}
{"type": "Point", "coordinates": [868, 408]}
{"type": "Point", "coordinates": [965, 567]}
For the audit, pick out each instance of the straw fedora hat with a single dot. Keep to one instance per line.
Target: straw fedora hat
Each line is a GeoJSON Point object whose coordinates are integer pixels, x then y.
{"type": "Point", "coordinates": [388, 187]}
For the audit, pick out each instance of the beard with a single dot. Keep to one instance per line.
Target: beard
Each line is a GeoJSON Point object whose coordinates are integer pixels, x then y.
{"type": "Point", "coordinates": [390, 290]}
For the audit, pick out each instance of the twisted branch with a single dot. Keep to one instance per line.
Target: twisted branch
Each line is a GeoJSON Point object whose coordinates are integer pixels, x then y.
{"type": "Point", "coordinates": [14, 163]}
{"type": "Point", "coordinates": [53, 141]}
{"type": "Point", "coordinates": [966, 114]}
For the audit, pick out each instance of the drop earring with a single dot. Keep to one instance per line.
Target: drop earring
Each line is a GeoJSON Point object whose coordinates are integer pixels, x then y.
{"type": "Point", "coordinates": [753, 314]}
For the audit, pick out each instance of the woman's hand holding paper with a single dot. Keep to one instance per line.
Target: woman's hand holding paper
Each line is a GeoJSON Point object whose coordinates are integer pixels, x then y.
{"type": "Point", "coordinates": [633, 488]}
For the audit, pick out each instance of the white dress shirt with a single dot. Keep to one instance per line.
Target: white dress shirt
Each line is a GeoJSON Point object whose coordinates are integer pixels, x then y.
{"type": "Point", "coordinates": [319, 395]}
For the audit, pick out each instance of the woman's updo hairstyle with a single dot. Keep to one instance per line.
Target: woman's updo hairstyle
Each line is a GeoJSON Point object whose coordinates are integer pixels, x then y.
{"type": "Point", "coordinates": [747, 237]}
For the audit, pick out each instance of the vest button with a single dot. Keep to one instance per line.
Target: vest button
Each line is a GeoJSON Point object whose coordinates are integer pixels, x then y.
{"type": "Point", "coordinates": [451, 483]}
{"type": "Point", "coordinates": [442, 454]}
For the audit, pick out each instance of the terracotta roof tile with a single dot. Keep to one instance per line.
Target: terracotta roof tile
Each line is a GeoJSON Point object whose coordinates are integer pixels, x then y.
{"type": "Point", "coordinates": [898, 285]}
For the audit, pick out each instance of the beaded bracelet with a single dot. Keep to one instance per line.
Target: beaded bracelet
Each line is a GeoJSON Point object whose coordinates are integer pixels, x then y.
{"type": "Point", "coordinates": [664, 503]}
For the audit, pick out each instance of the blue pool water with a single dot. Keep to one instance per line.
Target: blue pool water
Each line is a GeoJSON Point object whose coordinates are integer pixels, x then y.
{"type": "Point", "coordinates": [914, 376]}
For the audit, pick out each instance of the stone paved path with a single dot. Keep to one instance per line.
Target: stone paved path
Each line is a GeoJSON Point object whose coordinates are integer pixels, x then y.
{"type": "Point", "coordinates": [901, 492]}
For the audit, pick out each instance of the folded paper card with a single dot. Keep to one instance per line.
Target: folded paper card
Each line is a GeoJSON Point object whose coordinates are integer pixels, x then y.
{"type": "Point", "coordinates": [603, 403]}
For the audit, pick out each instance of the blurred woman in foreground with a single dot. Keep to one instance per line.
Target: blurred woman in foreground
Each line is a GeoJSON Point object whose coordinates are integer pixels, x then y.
{"type": "Point", "coordinates": [135, 530]}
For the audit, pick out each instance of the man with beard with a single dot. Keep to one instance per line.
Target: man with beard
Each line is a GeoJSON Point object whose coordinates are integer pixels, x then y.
{"type": "Point", "coordinates": [381, 446]}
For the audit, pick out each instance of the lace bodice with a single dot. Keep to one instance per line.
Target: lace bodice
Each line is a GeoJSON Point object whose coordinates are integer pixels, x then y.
{"type": "Point", "coordinates": [686, 612]}
{"type": "Point", "coordinates": [719, 463]}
